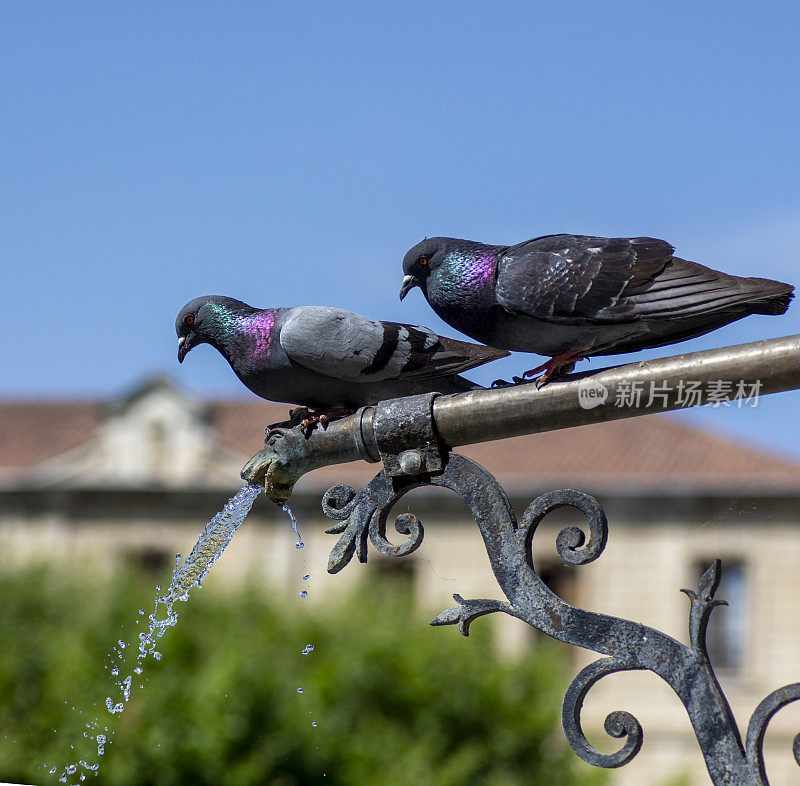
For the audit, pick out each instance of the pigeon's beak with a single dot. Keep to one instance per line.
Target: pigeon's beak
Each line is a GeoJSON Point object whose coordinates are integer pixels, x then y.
{"type": "Point", "coordinates": [184, 345]}
{"type": "Point", "coordinates": [409, 282]}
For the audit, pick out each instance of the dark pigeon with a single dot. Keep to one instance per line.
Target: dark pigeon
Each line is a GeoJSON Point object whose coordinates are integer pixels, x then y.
{"type": "Point", "coordinates": [574, 296]}
{"type": "Point", "coordinates": [325, 358]}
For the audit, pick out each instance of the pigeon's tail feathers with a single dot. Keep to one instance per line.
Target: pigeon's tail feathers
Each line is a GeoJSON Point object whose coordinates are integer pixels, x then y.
{"type": "Point", "coordinates": [685, 289]}
{"type": "Point", "coordinates": [775, 300]}
{"type": "Point", "coordinates": [454, 357]}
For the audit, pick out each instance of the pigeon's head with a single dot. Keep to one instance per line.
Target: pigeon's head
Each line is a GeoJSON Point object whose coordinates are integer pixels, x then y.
{"type": "Point", "coordinates": [206, 320]}
{"type": "Point", "coordinates": [422, 261]}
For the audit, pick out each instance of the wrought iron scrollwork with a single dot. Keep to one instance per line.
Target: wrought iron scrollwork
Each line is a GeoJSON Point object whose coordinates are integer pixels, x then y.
{"type": "Point", "coordinates": [626, 645]}
{"type": "Point", "coordinates": [364, 514]}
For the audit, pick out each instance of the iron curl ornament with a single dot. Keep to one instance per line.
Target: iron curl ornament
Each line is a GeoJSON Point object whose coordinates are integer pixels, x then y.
{"type": "Point", "coordinates": [625, 645]}
{"type": "Point", "coordinates": [413, 437]}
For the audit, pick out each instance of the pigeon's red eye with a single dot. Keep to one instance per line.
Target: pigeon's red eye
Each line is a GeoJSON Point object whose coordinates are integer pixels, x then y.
{"type": "Point", "coordinates": [422, 261]}
{"type": "Point", "coordinates": [189, 319]}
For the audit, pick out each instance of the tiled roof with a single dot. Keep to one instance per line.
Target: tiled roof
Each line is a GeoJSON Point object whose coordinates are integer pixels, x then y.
{"type": "Point", "coordinates": [653, 452]}
{"type": "Point", "coordinates": [657, 452]}
{"type": "Point", "coordinates": [240, 425]}
{"type": "Point", "coordinates": [34, 430]}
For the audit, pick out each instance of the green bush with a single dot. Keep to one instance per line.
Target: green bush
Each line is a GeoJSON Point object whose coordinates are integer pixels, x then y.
{"type": "Point", "coordinates": [395, 701]}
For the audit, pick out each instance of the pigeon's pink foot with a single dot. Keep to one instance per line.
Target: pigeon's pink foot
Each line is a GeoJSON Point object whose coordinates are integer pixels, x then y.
{"type": "Point", "coordinates": [557, 366]}
{"type": "Point", "coordinates": [323, 418]}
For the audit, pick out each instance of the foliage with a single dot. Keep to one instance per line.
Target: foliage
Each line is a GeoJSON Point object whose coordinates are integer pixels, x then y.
{"type": "Point", "coordinates": [395, 701]}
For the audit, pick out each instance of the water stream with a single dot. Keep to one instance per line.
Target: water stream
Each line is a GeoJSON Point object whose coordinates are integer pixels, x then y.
{"type": "Point", "coordinates": [187, 574]}
{"type": "Point", "coordinates": [303, 594]}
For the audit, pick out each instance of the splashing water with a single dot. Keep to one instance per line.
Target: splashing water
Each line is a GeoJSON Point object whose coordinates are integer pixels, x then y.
{"type": "Point", "coordinates": [187, 574]}
{"type": "Point", "coordinates": [190, 573]}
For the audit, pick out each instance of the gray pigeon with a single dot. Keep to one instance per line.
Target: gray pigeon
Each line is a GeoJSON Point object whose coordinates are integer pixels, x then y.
{"type": "Point", "coordinates": [326, 358]}
{"type": "Point", "coordinates": [573, 296]}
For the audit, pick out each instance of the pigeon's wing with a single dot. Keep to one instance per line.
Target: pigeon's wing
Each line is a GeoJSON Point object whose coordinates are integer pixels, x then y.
{"type": "Point", "coordinates": [349, 346]}
{"type": "Point", "coordinates": [576, 278]}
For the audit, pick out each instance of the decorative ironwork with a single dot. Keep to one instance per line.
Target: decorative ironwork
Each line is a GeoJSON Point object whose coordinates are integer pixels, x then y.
{"type": "Point", "coordinates": [412, 436]}
{"type": "Point", "coordinates": [627, 645]}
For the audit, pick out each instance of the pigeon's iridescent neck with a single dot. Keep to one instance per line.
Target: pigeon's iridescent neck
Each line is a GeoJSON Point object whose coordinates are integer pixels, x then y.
{"type": "Point", "coordinates": [461, 290]}
{"type": "Point", "coordinates": [255, 327]}
{"type": "Point", "coordinates": [258, 327]}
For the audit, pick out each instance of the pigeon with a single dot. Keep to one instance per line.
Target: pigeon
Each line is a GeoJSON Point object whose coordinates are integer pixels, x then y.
{"type": "Point", "coordinates": [325, 358]}
{"type": "Point", "coordinates": [574, 296]}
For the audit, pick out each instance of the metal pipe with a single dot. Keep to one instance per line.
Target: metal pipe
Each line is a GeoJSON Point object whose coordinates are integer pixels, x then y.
{"type": "Point", "coordinates": [680, 381]}
{"type": "Point", "coordinates": [768, 366]}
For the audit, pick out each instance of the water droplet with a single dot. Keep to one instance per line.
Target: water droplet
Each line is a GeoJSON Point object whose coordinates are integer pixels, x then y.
{"type": "Point", "coordinates": [306, 576]}
{"type": "Point", "coordinates": [190, 573]}
{"type": "Point", "coordinates": [293, 520]}
{"type": "Point", "coordinates": [308, 649]}
{"type": "Point", "coordinates": [314, 724]}
{"type": "Point", "coordinates": [299, 690]}
{"type": "Point", "coordinates": [302, 594]}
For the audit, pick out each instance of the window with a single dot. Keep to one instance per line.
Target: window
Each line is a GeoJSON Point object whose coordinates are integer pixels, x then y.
{"type": "Point", "coordinates": [394, 572]}
{"type": "Point", "coordinates": [727, 627]}
{"type": "Point", "coordinates": [157, 449]}
{"type": "Point", "coordinates": [149, 560]}
{"type": "Point", "coordinates": [560, 578]}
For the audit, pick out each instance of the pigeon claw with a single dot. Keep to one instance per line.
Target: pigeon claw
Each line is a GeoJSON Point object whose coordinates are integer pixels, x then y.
{"type": "Point", "coordinates": [554, 372]}
{"type": "Point", "coordinates": [322, 418]}
{"type": "Point", "coordinates": [295, 417]}
{"type": "Point", "coordinates": [556, 367]}
{"type": "Point", "coordinates": [504, 383]}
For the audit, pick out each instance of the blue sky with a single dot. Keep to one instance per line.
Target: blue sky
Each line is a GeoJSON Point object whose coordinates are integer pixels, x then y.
{"type": "Point", "coordinates": [290, 153]}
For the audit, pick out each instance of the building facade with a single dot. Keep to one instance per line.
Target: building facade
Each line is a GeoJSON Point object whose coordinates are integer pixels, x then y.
{"type": "Point", "coordinates": [98, 483]}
